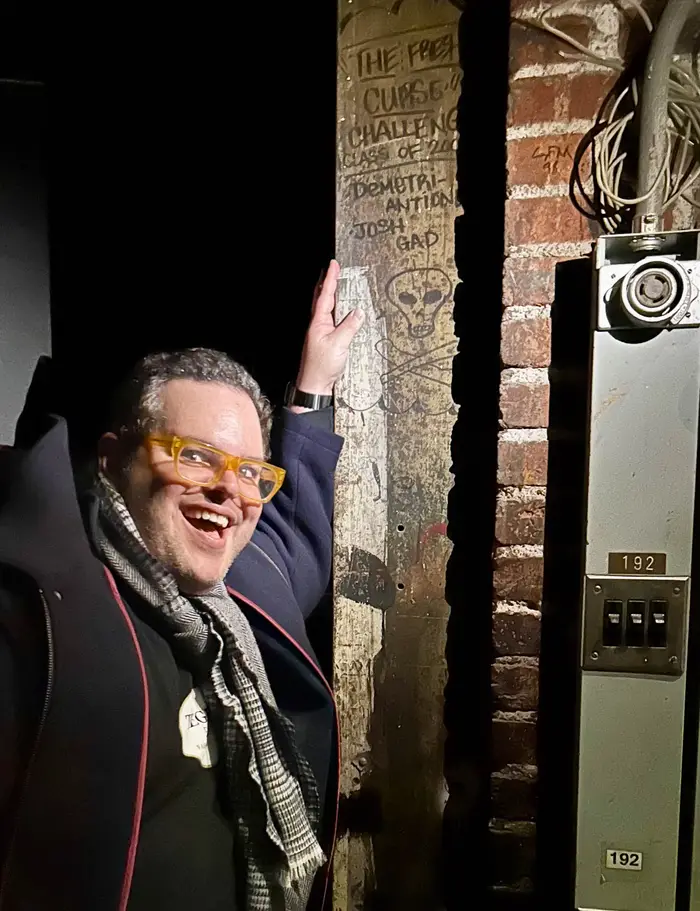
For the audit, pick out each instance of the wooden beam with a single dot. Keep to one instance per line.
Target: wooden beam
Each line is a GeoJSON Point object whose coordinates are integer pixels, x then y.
{"type": "Point", "coordinates": [398, 84]}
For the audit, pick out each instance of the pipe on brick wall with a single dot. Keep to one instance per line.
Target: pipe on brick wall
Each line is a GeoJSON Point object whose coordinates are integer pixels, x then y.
{"type": "Point", "coordinates": [654, 114]}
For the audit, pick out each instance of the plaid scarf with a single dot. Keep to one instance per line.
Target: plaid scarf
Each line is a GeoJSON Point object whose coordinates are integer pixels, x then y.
{"type": "Point", "coordinates": [273, 795]}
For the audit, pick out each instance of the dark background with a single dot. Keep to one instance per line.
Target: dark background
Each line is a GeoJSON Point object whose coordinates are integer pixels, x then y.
{"type": "Point", "coordinates": [190, 165]}
{"type": "Point", "coordinates": [24, 254]}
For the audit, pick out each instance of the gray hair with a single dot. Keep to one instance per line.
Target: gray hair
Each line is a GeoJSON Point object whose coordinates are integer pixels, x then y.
{"type": "Point", "coordinates": [137, 406]}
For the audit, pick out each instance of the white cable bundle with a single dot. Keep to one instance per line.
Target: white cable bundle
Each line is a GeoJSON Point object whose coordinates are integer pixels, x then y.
{"type": "Point", "coordinates": [682, 165]}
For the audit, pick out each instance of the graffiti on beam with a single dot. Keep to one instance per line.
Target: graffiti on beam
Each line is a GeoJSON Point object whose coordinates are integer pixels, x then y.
{"type": "Point", "coordinates": [415, 358]}
{"type": "Point", "coordinates": [392, 8]}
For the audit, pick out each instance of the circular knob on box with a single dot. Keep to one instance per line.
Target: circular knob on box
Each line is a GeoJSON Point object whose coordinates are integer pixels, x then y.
{"type": "Point", "coordinates": [655, 292]}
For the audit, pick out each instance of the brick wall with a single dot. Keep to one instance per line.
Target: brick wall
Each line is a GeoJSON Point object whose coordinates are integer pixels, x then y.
{"type": "Point", "coordinates": [552, 103]}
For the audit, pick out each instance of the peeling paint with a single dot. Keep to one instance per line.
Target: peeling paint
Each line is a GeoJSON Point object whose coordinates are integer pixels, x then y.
{"type": "Point", "coordinates": [521, 494]}
{"type": "Point", "coordinates": [517, 313]}
{"type": "Point", "coordinates": [521, 717]}
{"type": "Point", "coordinates": [516, 607]}
{"type": "Point", "coordinates": [549, 128]}
{"type": "Point", "coordinates": [517, 661]}
{"type": "Point", "coordinates": [525, 376]}
{"type": "Point", "coordinates": [524, 435]}
{"type": "Point", "coordinates": [520, 551]}
{"type": "Point", "coordinates": [535, 191]}
{"type": "Point", "coordinates": [564, 250]}
{"type": "Point", "coordinates": [539, 70]}
{"type": "Point", "coordinates": [517, 772]}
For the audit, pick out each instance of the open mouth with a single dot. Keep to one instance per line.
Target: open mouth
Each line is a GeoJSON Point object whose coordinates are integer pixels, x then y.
{"type": "Point", "coordinates": [211, 528]}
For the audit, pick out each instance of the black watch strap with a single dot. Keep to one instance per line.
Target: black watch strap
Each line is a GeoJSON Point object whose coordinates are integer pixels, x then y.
{"type": "Point", "coordinates": [294, 396]}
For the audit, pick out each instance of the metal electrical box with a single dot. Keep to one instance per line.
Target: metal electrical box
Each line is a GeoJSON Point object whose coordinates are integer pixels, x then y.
{"type": "Point", "coordinates": [642, 457]}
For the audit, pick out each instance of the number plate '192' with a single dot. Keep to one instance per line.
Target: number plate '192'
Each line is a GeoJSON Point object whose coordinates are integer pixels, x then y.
{"type": "Point", "coordinates": [623, 860]}
{"type": "Point", "coordinates": [633, 564]}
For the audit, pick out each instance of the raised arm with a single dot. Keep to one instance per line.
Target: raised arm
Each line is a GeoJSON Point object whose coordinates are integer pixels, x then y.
{"type": "Point", "coordinates": [295, 530]}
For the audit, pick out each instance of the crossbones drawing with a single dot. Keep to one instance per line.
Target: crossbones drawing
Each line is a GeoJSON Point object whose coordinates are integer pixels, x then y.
{"type": "Point", "coordinates": [407, 381]}
{"type": "Point", "coordinates": [408, 344]}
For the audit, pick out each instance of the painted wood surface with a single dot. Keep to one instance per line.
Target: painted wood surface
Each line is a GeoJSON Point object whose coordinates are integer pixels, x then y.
{"type": "Point", "coordinates": [398, 85]}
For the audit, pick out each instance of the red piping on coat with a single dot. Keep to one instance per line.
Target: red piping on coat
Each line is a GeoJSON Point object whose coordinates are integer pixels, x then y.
{"type": "Point", "coordinates": [138, 803]}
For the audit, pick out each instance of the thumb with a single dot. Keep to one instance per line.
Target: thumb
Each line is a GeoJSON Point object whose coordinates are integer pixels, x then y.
{"type": "Point", "coordinates": [348, 327]}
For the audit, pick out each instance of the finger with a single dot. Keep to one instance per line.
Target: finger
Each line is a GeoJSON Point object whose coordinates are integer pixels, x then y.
{"type": "Point", "coordinates": [326, 297]}
{"type": "Point", "coordinates": [348, 327]}
{"type": "Point", "coordinates": [317, 288]}
{"type": "Point", "coordinates": [325, 302]}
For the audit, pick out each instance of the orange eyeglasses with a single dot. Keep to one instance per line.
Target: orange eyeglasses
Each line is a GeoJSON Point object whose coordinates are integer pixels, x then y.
{"type": "Point", "coordinates": [203, 465]}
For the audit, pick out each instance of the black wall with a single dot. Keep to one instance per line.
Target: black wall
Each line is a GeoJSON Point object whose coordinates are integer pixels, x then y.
{"type": "Point", "coordinates": [24, 247]}
{"type": "Point", "coordinates": [192, 190]}
{"type": "Point", "coordinates": [190, 161]}
{"type": "Point", "coordinates": [24, 256]}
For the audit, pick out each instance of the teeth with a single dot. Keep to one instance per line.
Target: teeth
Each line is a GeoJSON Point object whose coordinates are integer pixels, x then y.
{"type": "Point", "coordinates": [214, 517]}
{"type": "Point", "coordinates": [221, 521]}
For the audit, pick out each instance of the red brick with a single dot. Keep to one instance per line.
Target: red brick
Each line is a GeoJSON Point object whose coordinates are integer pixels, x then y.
{"type": "Point", "coordinates": [517, 578]}
{"type": "Point", "coordinates": [512, 847]}
{"type": "Point", "coordinates": [557, 99]}
{"type": "Point", "coordinates": [514, 794]}
{"type": "Point", "coordinates": [520, 520]}
{"type": "Point", "coordinates": [545, 220]}
{"type": "Point", "coordinates": [515, 684]}
{"type": "Point", "coordinates": [516, 633]}
{"type": "Point", "coordinates": [524, 404]}
{"type": "Point", "coordinates": [526, 342]}
{"type": "Point", "coordinates": [522, 464]}
{"type": "Point", "coordinates": [544, 160]}
{"type": "Point", "coordinates": [534, 100]}
{"type": "Point", "coordinates": [529, 281]}
{"type": "Point", "coordinates": [514, 742]}
{"type": "Point", "coordinates": [529, 45]}
{"type": "Point", "coordinates": [587, 92]}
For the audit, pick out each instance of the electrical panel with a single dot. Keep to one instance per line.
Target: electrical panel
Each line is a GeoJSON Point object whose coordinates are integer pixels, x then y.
{"type": "Point", "coordinates": [635, 625]}
{"type": "Point", "coordinates": [642, 455]}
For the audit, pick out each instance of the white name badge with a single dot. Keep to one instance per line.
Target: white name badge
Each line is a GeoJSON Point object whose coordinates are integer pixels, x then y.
{"type": "Point", "coordinates": [197, 741]}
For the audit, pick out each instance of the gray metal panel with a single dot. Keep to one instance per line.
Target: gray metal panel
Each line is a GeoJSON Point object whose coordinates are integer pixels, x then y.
{"type": "Point", "coordinates": [630, 755]}
{"type": "Point", "coordinates": [695, 875]}
{"type": "Point", "coordinates": [644, 410]}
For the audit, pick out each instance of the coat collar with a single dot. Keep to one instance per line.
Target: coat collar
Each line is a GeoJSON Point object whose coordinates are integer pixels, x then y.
{"type": "Point", "coordinates": [41, 528]}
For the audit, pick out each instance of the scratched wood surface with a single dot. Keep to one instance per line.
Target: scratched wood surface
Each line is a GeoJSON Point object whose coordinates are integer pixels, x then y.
{"type": "Point", "coordinates": [398, 84]}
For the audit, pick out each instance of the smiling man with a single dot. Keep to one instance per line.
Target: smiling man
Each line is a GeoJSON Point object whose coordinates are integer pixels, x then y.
{"type": "Point", "coordinates": [179, 419]}
{"type": "Point", "coordinates": [167, 738]}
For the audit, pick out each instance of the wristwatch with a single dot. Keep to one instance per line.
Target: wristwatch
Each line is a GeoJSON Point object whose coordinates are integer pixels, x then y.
{"type": "Point", "coordinates": [294, 396]}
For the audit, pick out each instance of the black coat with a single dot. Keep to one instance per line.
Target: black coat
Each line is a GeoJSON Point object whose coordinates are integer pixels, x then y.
{"type": "Point", "coordinates": [73, 691]}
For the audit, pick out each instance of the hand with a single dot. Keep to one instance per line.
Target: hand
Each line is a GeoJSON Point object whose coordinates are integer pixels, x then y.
{"type": "Point", "coordinates": [326, 345]}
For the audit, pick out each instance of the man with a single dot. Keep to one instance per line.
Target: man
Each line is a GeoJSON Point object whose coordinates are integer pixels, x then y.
{"type": "Point", "coordinates": [167, 742]}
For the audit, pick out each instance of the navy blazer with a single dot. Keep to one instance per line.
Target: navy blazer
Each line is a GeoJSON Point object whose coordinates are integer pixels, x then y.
{"type": "Point", "coordinates": [287, 565]}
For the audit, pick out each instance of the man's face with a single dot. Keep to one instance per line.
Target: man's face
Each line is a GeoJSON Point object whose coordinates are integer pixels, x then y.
{"type": "Point", "coordinates": [167, 511]}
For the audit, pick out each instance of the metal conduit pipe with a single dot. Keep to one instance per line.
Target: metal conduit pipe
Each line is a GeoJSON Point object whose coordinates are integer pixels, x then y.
{"type": "Point", "coordinates": [654, 118]}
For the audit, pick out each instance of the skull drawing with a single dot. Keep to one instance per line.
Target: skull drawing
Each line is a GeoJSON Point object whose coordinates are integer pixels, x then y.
{"type": "Point", "coordinates": [418, 294]}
